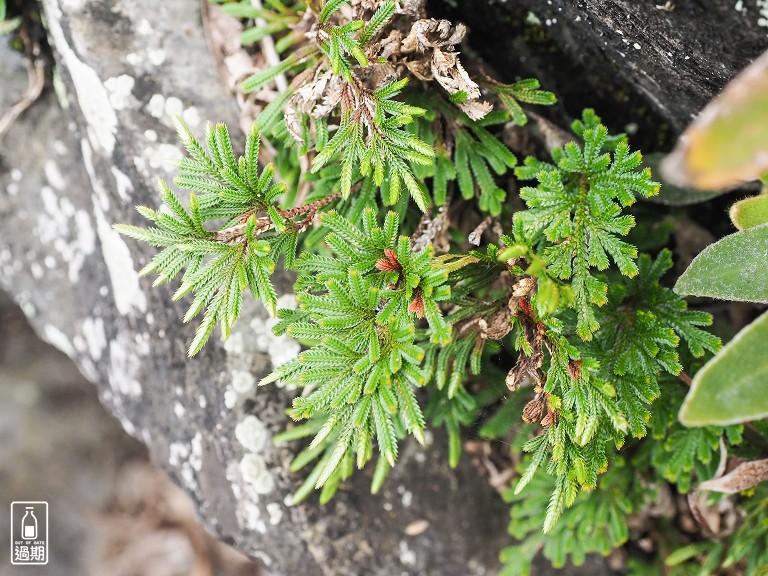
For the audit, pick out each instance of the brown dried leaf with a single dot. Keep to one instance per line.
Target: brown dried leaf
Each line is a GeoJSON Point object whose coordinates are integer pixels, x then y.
{"type": "Point", "coordinates": [434, 230]}
{"type": "Point", "coordinates": [413, 8]}
{"type": "Point", "coordinates": [742, 477]}
{"type": "Point", "coordinates": [305, 101]}
{"type": "Point", "coordinates": [499, 325]}
{"type": "Point", "coordinates": [534, 410]}
{"type": "Point", "coordinates": [512, 381]}
{"type": "Point", "coordinates": [550, 419]}
{"type": "Point", "coordinates": [476, 109]}
{"type": "Point", "coordinates": [331, 98]}
{"type": "Point", "coordinates": [448, 71]}
{"type": "Point", "coordinates": [440, 37]}
{"type": "Point", "coordinates": [386, 47]}
{"type": "Point", "coordinates": [523, 287]}
{"type": "Point", "coordinates": [433, 33]}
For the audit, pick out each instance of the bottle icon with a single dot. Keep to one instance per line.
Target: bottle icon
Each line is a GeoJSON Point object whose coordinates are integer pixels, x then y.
{"type": "Point", "coordinates": [29, 524]}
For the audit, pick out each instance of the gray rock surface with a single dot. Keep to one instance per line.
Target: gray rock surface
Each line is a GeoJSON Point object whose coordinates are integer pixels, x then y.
{"type": "Point", "coordinates": [74, 166]}
{"type": "Point", "coordinates": [50, 419]}
{"type": "Point", "coordinates": [111, 513]}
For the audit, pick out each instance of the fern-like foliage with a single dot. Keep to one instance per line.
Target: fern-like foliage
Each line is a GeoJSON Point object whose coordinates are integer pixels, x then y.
{"type": "Point", "coordinates": [602, 389]}
{"type": "Point", "coordinates": [683, 455]}
{"type": "Point", "coordinates": [527, 91]}
{"type": "Point", "coordinates": [360, 306]}
{"type": "Point", "coordinates": [361, 134]}
{"type": "Point", "coordinates": [370, 141]}
{"type": "Point", "coordinates": [608, 347]}
{"type": "Point", "coordinates": [577, 210]}
{"type": "Point", "coordinates": [597, 522]}
{"type": "Point", "coordinates": [230, 235]}
{"type": "Point", "coordinates": [477, 156]}
{"type": "Point", "coordinates": [398, 339]}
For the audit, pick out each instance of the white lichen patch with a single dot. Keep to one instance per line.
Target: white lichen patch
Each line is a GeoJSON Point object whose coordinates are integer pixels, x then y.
{"type": "Point", "coordinates": [133, 59]}
{"type": "Point", "coordinates": [407, 556]}
{"type": "Point", "coordinates": [532, 19]}
{"type": "Point", "coordinates": [165, 156]}
{"type": "Point", "coordinates": [120, 90]}
{"type": "Point", "coordinates": [123, 184]}
{"type": "Point", "coordinates": [196, 454]}
{"type": "Point", "coordinates": [60, 226]}
{"type": "Point", "coordinates": [84, 244]}
{"type": "Point", "coordinates": [156, 106]}
{"type": "Point", "coordinates": [177, 453]}
{"type": "Point", "coordinates": [252, 433]}
{"type": "Point", "coordinates": [123, 276]}
{"type": "Point", "coordinates": [156, 56]}
{"type": "Point", "coordinates": [275, 513]}
{"type": "Point", "coordinates": [250, 340]}
{"type": "Point", "coordinates": [57, 338]}
{"type": "Point", "coordinates": [122, 273]}
{"type": "Point", "coordinates": [53, 175]}
{"type": "Point", "coordinates": [173, 107]}
{"type": "Point", "coordinates": [92, 97]}
{"type": "Point", "coordinates": [54, 222]}
{"type": "Point", "coordinates": [124, 367]}
{"type": "Point", "coordinates": [256, 474]}
{"type": "Point", "coordinates": [762, 7]}
{"type": "Point", "coordinates": [29, 309]}
{"type": "Point", "coordinates": [252, 518]}
{"type": "Point", "coordinates": [235, 344]}
{"type": "Point", "coordinates": [243, 382]}
{"type": "Point", "coordinates": [168, 109]}
{"type": "Point", "coordinates": [191, 116]}
{"type": "Point", "coordinates": [230, 398]}
{"type": "Point", "coordinates": [144, 27]}
{"type": "Point", "coordinates": [92, 330]}
{"type": "Point", "coordinates": [280, 348]}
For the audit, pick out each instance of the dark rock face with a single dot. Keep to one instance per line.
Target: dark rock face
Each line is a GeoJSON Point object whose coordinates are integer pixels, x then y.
{"type": "Point", "coordinates": [674, 55]}
{"type": "Point", "coordinates": [73, 167]}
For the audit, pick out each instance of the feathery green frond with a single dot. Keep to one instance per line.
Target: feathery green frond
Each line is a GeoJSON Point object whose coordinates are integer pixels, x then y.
{"type": "Point", "coordinates": [576, 209]}
{"type": "Point", "coordinates": [219, 260]}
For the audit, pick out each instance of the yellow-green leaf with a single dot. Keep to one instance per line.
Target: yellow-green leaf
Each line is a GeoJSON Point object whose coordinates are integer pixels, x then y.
{"type": "Point", "coordinates": [728, 143]}
{"type": "Point", "coordinates": [750, 212]}
{"type": "Point", "coordinates": [670, 194]}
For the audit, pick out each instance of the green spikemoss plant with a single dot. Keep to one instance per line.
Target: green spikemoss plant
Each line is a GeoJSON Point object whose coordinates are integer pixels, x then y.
{"type": "Point", "coordinates": [380, 134]}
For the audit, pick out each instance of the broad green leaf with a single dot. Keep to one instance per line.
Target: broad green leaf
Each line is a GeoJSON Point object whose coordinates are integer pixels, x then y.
{"type": "Point", "coordinates": [731, 269]}
{"type": "Point", "coordinates": [750, 212]}
{"type": "Point", "coordinates": [733, 386]}
{"type": "Point", "coordinates": [728, 143]}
